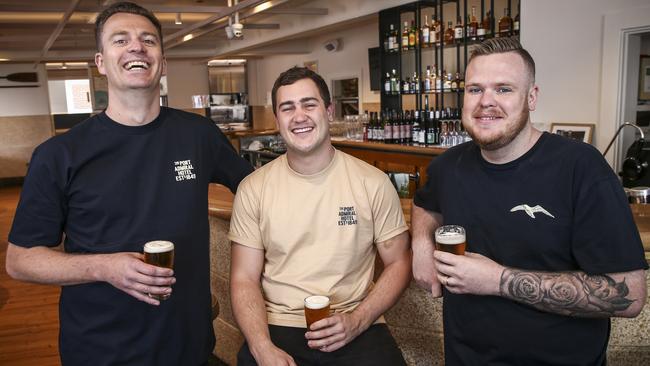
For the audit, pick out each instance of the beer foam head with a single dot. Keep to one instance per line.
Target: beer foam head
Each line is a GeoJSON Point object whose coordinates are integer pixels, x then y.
{"type": "Point", "coordinates": [158, 246]}
{"type": "Point", "coordinates": [450, 238]}
{"type": "Point", "coordinates": [317, 302]}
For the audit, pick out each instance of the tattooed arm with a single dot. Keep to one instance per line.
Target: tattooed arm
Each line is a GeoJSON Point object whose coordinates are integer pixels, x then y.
{"type": "Point", "coordinates": [566, 293]}
{"type": "Point", "coordinates": [577, 293]}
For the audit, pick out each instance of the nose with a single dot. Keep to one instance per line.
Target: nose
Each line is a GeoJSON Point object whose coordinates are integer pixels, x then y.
{"type": "Point", "coordinates": [136, 46]}
{"type": "Point", "coordinates": [487, 99]}
{"type": "Point", "coordinates": [299, 114]}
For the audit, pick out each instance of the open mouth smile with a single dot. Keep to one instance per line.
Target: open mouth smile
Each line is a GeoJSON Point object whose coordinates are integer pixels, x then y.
{"type": "Point", "coordinates": [302, 130]}
{"type": "Point", "coordinates": [136, 65]}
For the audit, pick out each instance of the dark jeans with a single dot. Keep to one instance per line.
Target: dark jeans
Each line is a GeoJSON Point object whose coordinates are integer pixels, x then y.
{"type": "Point", "coordinates": [374, 347]}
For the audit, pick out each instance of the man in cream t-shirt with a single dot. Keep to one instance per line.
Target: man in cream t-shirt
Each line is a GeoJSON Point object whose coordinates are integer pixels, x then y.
{"type": "Point", "coordinates": [311, 223]}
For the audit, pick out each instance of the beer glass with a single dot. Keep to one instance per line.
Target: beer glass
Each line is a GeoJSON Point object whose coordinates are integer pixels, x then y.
{"type": "Point", "coordinates": [159, 253]}
{"type": "Point", "coordinates": [316, 308]}
{"type": "Point", "coordinates": [451, 239]}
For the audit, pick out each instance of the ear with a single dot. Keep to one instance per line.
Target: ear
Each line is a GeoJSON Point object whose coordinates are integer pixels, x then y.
{"type": "Point", "coordinates": [330, 112]}
{"type": "Point", "coordinates": [99, 61]}
{"type": "Point", "coordinates": [164, 66]}
{"type": "Point", "coordinates": [532, 97]}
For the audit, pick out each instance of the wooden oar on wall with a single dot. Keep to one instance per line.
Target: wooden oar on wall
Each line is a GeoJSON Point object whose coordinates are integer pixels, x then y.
{"type": "Point", "coordinates": [22, 77]}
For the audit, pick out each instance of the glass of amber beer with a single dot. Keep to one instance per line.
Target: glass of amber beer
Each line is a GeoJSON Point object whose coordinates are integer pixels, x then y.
{"type": "Point", "coordinates": [159, 253]}
{"type": "Point", "coordinates": [316, 308]}
{"type": "Point", "coordinates": [451, 239]}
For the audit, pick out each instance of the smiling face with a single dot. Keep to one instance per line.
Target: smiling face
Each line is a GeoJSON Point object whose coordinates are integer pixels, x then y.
{"type": "Point", "coordinates": [131, 56]}
{"type": "Point", "coordinates": [499, 96]}
{"type": "Point", "coordinates": [303, 119]}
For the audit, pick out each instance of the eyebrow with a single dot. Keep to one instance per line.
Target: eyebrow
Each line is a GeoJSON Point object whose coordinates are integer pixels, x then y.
{"type": "Point", "coordinates": [123, 33]}
{"type": "Point", "coordinates": [303, 100]}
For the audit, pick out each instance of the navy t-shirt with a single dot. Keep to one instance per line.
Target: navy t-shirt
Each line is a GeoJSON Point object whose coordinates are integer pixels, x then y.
{"type": "Point", "coordinates": [111, 188]}
{"type": "Point", "coordinates": [587, 226]}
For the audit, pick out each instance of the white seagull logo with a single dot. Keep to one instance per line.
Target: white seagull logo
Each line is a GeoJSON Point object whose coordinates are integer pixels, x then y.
{"type": "Point", "coordinates": [530, 211]}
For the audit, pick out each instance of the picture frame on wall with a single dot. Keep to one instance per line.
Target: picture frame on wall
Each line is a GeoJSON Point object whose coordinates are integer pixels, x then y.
{"type": "Point", "coordinates": [582, 132]}
{"type": "Point", "coordinates": [644, 78]}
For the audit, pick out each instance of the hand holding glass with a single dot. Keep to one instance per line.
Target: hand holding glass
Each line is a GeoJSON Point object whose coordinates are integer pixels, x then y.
{"type": "Point", "coordinates": [159, 253]}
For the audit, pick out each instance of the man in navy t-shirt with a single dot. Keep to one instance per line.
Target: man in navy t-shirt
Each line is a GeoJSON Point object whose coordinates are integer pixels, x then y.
{"type": "Point", "coordinates": [552, 250]}
{"type": "Point", "coordinates": [132, 174]}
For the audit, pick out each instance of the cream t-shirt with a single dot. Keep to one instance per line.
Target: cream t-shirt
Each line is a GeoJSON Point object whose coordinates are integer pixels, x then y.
{"type": "Point", "coordinates": [318, 232]}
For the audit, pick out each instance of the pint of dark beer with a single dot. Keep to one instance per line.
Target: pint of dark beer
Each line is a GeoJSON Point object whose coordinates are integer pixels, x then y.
{"type": "Point", "coordinates": [451, 239]}
{"type": "Point", "coordinates": [159, 253]}
{"type": "Point", "coordinates": [316, 308]}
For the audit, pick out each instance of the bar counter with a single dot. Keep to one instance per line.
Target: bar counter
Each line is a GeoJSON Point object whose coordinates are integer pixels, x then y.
{"type": "Point", "coordinates": [415, 321]}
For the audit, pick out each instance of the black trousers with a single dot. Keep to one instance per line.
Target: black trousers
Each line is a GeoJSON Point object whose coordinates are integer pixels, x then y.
{"type": "Point", "coordinates": [374, 347]}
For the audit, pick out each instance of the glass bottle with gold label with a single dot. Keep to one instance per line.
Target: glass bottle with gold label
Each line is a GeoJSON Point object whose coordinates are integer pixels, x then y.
{"type": "Point", "coordinates": [505, 23]}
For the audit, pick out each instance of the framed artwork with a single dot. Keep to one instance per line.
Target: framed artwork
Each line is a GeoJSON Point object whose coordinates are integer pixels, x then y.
{"type": "Point", "coordinates": [311, 65]}
{"type": "Point", "coordinates": [581, 132]}
{"type": "Point", "coordinates": [644, 78]}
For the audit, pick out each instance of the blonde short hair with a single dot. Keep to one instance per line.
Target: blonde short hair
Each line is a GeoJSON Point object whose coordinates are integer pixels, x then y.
{"type": "Point", "coordinates": [504, 45]}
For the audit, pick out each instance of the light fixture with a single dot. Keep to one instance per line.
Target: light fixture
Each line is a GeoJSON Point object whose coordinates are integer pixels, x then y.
{"type": "Point", "coordinates": [4, 59]}
{"type": "Point", "coordinates": [187, 37]}
{"type": "Point", "coordinates": [178, 20]}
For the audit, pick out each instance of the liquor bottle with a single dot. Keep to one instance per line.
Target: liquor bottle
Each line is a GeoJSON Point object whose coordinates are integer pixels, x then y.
{"type": "Point", "coordinates": [391, 39]}
{"type": "Point", "coordinates": [402, 128]}
{"type": "Point", "coordinates": [425, 32]}
{"type": "Point", "coordinates": [371, 127]}
{"type": "Point", "coordinates": [405, 37]}
{"type": "Point", "coordinates": [407, 129]}
{"type": "Point", "coordinates": [364, 125]}
{"type": "Point", "coordinates": [439, 81]}
{"type": "Point", "coordinates": [447, 83]}
{"type": "Point", "coordinates": [480, 32]}
{"type": "Point", "coordinates": [427, 80]}
{"type": "Point", "coordinates": [505, 24]}
{"type": "Point", "coordinates": [472, 29]}
{"type": "Point", "coordinates": [487, 24]}
{"type": "Point", "coordinates": [430, 130]}
{"type": "Point", "coordinates": [405, 86]}
{"type": "Point", "coordinates": [449, 33]}
{"type": "Point", "coordinates": [434, 31]}
{"type": "Point", "coordinates": [515, 26]}
{"type": "Point", "coordinates": [415, 129]}
{"type": "Point", "coordinates": [412, 35]}
{"type": "Point", "coordinates": [461, 81]}
{"type": "Point", "coordinates": [394, 83]}
{"type": "Point", "coordinates": [415, 85]}
{"type": "Point", "coordinates": [459, 30]}
{"type": "Point", "coordinates": [454, 82]}
{"type": "Point", "coordinates": [422, 132]}
{"type": "Point", "coordinates": [387, 85]}
{"type": "Point", "coordinates": [437, 129]}
{"type": "Point", "coordinates": [388, 128]}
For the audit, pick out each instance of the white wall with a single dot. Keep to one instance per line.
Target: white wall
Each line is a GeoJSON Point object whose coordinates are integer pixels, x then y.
{"type": "Point", "coordinates": [566, 39]}
{"type": "Point", "coordinates": [23, 101]}
{"type": "Point", "coordinates": [58, 104]}
{"type": "Point", "coordinates": [184, 79]}
{"type": "Point", "coordinates": [350, 60]}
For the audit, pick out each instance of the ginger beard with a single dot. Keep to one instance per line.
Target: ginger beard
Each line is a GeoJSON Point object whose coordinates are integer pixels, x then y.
{"type": "Point", "coordinates": [498, 139]}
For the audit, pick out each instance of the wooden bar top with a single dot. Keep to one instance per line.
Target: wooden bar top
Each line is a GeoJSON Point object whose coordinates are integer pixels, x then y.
{"type": "Point", "coordinates": [378, 146]}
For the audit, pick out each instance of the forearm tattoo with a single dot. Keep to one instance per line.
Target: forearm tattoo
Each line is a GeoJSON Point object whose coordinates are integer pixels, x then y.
{"type": "Point", "coordinates": [566, 293]}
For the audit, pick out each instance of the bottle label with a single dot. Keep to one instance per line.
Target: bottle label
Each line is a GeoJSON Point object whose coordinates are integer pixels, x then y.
{"type": "Point", "coordinates": [388, 132]}
{"type": "Point", "coordinates": [516, 26]}
{"type": "Point", "coordinates": [458, 33]}
{"type": "Point", "coordinates": [480, 32]}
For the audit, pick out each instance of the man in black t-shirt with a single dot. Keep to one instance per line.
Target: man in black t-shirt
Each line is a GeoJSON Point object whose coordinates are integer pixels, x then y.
{"type": "Point", "coordinates": [135, 173]}
{"type": "Point", "coordinates": [552, 250]}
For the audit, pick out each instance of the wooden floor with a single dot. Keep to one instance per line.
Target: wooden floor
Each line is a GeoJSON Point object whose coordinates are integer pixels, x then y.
{"type": "Point", "coordinates": [29, 317]}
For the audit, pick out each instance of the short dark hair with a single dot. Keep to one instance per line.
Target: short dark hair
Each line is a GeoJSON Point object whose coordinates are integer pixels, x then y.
{"type": "Point", "coordinates": [298, 73]}
{"type": "Point", "coordinates": [503, 45]}
{"type": "Point", "coordinates": [123, 7]}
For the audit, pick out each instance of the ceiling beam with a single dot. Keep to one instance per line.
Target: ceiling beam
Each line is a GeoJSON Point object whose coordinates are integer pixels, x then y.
{"type": "Point", "coordinates": [231, 10]}
{"type": "Point", "coordinates": [222, 23]}
{"type": "Point", "coordinates": [299, 11]}
{"type": "Point", "coordinates": [58, 30]}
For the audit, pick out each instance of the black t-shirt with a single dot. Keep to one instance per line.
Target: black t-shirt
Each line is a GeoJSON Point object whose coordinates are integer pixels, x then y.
{"type": "Point", "coordinates": [587, 226]}
{"type": "Point", "coordinates": [111, 188]}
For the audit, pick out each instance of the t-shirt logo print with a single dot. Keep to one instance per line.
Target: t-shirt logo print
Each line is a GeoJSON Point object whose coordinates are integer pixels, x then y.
{"type": "Point", "coordinates": [184, 170]}
{"type": "Point", "coordinates": [347, 216]}
{"type": "Point", "coordinates": [531, 211]}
